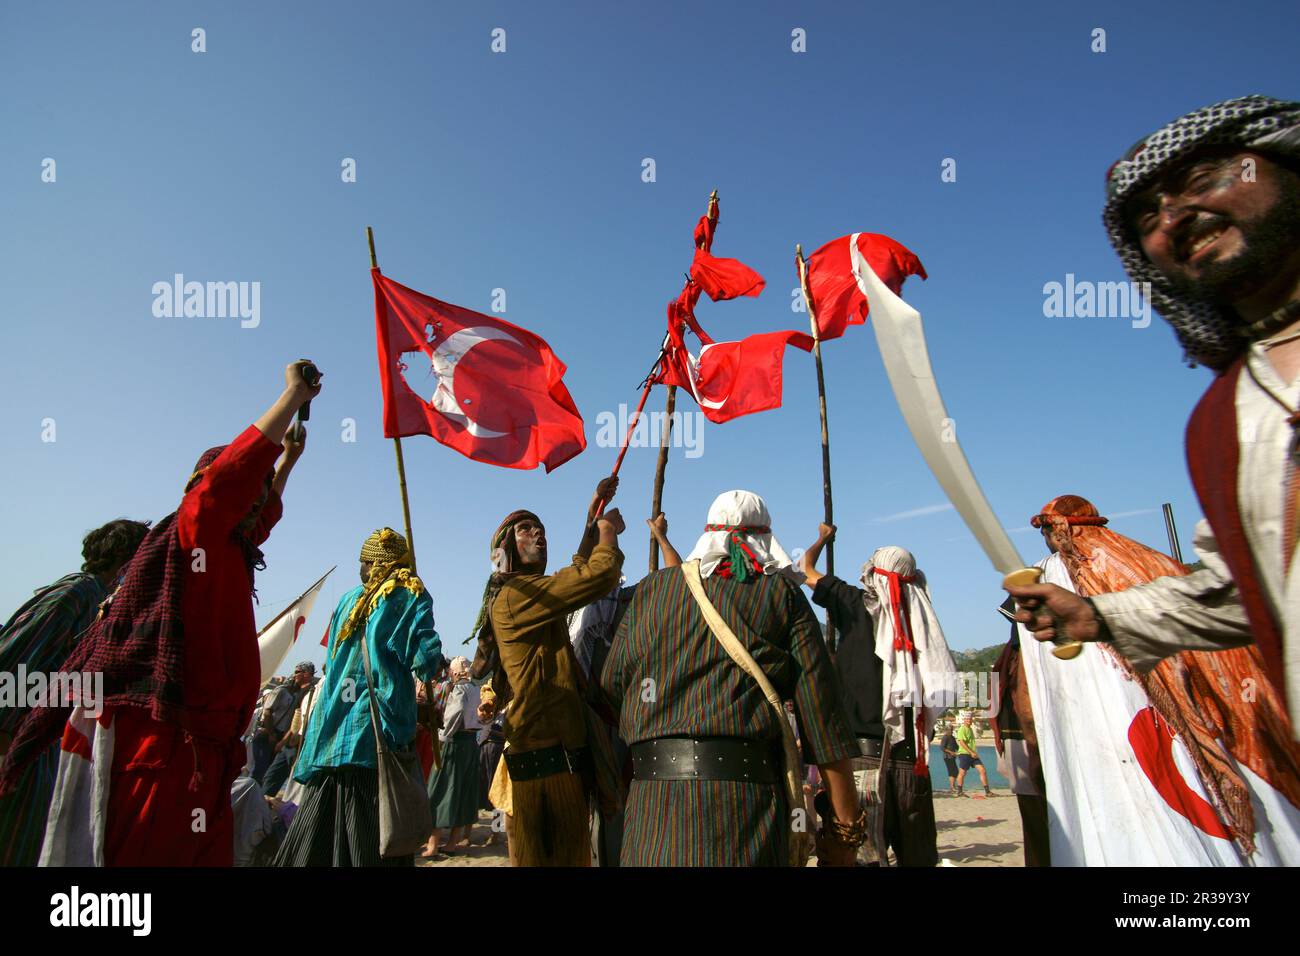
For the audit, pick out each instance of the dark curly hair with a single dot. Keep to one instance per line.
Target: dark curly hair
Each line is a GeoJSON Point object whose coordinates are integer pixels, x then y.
{"type": "Point", "coordinates": [108, 548]}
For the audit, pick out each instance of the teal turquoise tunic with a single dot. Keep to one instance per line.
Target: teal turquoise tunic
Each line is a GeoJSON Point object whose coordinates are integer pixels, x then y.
{"type": "Point", "coordinates": [40, 635]}
{"type": "Point", "coordinates": [668, 676]}
{"type": "Point", "coordinates": [402, 641]}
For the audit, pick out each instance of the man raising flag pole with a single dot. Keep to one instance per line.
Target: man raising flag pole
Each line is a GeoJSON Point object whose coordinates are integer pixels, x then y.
{"type": "Point", "coordinates": [801, 266]}
{"type": "Point", "coordinates": [834, 302]}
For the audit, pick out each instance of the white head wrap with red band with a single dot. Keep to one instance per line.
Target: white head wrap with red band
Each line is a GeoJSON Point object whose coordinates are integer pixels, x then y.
{"type": "Point", "coordinates": [918, 667]}
{"type": "Point", "coordinates": [736, 520]}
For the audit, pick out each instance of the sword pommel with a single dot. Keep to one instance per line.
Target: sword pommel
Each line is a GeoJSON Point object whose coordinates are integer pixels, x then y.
{"type": "Point", "coordinates": [1067, 650]}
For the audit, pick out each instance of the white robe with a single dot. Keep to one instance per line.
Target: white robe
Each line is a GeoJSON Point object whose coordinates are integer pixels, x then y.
{"type": "Point", "coordinates": [1103, 809]}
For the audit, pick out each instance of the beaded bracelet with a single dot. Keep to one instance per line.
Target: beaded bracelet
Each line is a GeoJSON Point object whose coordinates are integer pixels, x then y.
{"type": "Point", "coordinates": [849, 834]}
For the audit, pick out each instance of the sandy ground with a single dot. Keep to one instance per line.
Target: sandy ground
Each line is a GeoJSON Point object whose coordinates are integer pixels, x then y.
{"type": "Point", "coordinates": [477, 854]}
{"type": "Point", "coordinates": [973, 831]}
{"type": "Point", "coordinates": [979, 831]}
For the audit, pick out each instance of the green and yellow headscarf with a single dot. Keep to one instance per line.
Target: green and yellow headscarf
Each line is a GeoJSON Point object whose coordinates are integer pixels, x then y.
{"type": "Point", "coordinates": [390, 559]}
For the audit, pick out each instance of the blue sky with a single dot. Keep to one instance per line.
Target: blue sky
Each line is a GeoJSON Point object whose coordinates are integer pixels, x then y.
{"type": "Point", "coordinates": [522, 170]}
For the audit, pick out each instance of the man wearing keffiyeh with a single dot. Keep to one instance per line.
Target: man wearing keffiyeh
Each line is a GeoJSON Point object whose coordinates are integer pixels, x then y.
{"type": "Point", "coordinates": [896, 677]}
{"type": "Point", "coordinates": [178, 651]}
{"type": "Point", "coordinates": [1238, 744]}
{"type": "Point", "coordinates": [337, 823]}
{"type": "Point", "coordinates": [706, 743]}
{"type": "Point", "coordinates": [524, 638]}
{"type": "Point", "coordinates": [1207, 210]}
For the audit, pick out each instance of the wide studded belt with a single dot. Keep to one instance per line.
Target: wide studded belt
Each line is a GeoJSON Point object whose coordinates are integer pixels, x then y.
{"type": "Point", "coordinates": [874, 746]}
{"type": "Point", "coordinates": [704, 758]}
{"type": "Point", "coordinates": [546, 762]}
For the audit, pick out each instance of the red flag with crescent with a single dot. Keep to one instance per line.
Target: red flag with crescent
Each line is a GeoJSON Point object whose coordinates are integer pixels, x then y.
{"type": "Point", "coordinates": [837, 299]}
{"type": "Point", "coordinates": [487, 388]}
{"type": "Point", "coordinates": [727, 379]}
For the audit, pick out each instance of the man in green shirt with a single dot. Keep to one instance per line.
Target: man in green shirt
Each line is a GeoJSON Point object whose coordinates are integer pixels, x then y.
{"type": "Point", "coordinates": [968, 756]}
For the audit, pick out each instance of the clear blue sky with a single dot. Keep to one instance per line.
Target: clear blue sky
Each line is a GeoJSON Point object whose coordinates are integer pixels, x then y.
{"type": "Point", "coordinates": [522, 171]}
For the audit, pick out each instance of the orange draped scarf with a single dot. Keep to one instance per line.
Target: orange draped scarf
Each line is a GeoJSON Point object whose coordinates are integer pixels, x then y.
{"type": "Point", "coordinates": [1213, 700]}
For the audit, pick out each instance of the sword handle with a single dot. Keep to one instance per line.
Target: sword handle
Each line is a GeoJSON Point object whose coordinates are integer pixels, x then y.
{"type": "Point", "coordinates": [1064, 650]}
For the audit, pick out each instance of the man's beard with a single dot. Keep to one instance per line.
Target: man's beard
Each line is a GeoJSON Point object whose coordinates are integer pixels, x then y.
{"type": "Point", "coordinates": [1269, 241]}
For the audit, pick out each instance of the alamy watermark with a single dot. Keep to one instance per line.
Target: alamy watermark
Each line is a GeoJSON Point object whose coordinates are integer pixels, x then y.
{"type": "Point", "coordinates": [28, 690]}
{"type": "Point", "coordinates": [208, 300]}
{"type": "Point", "coordinates": [1084, 299]}
{"type": "Point", "coordinates": [974, 690]}
{"type": "Point", "coordinates": [75, 908]}
{"type": "Point", "coordinates": [687, 430]}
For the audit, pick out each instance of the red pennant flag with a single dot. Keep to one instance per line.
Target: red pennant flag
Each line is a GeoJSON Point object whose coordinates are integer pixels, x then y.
{"type": "Point", "coordinates": [720, 278]}
{"type": "Point", "coordinates": [837, 300]}
{"type": "Point", "coordinates": [727, 379]}
{"type": "Point", "coordinates": [492, 391]}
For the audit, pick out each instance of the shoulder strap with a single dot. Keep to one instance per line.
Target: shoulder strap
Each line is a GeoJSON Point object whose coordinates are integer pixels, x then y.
{"type": "Point", "coordinates": [738, 653]}
{"type": "Point", "coordinates": [727, 638]}
{"type": "Point", "coordinates": [371, 689]}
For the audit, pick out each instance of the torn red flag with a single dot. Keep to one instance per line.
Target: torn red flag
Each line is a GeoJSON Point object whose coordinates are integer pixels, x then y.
{"type": "Point", "coordinates": [495, 391]}
{"type": "Point", "coordinates": [720, 278]}
{"type": "Point", "coordinates": [837, 299]}
{"type": "Point", "coordinates": [727, 379]}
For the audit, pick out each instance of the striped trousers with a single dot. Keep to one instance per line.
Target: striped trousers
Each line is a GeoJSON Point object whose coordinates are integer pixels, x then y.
{"type": "Point", "coordinates": [550, 825]}
{"type": "Point", "coordinates": [704, 823]}
{"type": "Point", "coordinates": [337, 823]}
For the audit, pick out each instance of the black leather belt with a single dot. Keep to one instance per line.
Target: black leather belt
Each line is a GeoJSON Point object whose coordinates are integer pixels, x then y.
{"type": "Point", "coordinates": [546, 762]}
{"type": "Point", "coordinates": [704, 758]}
{"type": "Point", "coordinates": [872, 747]}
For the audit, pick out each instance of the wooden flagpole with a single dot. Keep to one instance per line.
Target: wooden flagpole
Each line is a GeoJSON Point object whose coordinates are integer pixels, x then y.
{"type": "Point", "coordinates": [433, 724]}
{"type": "Point", "coordinates": [670, 405]}
{"type": "Point", "coordinates": [397, 442]}
{"type": "Point", "coordinates": [657, 498]}
{"type": "Point", "coordinates": [801, 265]}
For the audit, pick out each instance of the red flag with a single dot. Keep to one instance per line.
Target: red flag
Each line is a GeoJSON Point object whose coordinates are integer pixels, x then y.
{"type": "Point", "coordinates": [727, 379]}
{"type": "Point", "coordinates": [495, 392]}
{"type": "Point", "coordinates": [720, 278]}
{"type": "Point", "coordinates": [837, 300]}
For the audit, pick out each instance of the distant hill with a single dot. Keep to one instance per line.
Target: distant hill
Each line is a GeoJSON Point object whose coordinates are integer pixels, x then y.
{"type": "Point", "coordinates": [981, 659]}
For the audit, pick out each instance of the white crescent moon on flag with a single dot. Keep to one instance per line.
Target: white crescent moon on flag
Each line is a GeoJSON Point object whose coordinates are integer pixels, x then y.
{"type": "Point", "coordinates": [694, 364]}
{"type": "Point", "coordinates": [447, 354]}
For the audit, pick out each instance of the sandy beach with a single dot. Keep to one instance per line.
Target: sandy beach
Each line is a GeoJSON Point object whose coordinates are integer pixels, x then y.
{"type": "Point", "coordinates": [979, 831]}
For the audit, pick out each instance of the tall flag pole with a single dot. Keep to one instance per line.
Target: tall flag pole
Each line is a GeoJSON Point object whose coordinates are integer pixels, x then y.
{"type": "Point", "coordinates": [801, 266]}
{"type": "Point", "coordinates": [670, 405]}
{"type": "Point", "coordinates": [434, 723]}
{"type": "Point", "coordinates": [397, 442]}
{"type": "Point", "coordinates": [657, 498]}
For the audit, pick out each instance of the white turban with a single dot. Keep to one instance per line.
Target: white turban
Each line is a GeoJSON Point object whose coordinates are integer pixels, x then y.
{"type": "Point", "coordinates": [740, 516]}
{"type": "Point", "coordinates": [918, 667]}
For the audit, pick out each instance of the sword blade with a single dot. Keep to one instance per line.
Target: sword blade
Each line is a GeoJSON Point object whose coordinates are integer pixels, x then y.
{"type": "Point", "coordinates": [901, 338]}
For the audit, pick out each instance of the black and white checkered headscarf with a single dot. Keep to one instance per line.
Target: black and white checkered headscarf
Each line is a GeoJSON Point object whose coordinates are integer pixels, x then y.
{"type": "Point", "coordinates": [1209, 335]}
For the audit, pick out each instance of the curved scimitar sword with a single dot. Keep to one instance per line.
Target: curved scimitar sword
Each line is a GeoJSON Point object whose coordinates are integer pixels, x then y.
{"type": "Point", "coordinates": [901, 338]}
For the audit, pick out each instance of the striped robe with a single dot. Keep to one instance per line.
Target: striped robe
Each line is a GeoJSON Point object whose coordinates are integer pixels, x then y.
{"type": "Point", "coordinates": [40, 635]}
{"type": "Point", "coordinates": [667, 675]}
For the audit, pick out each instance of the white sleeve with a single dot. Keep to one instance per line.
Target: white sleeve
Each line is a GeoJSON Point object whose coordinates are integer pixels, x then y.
{"type": "Point", "coordinates": [453, 714]}
{"type": "Point", "coordinates": [1201, 611]}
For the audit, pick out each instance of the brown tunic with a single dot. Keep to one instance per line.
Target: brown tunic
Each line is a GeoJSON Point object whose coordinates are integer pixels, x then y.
{"type": "Point", "coordinates": [528, 619]}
